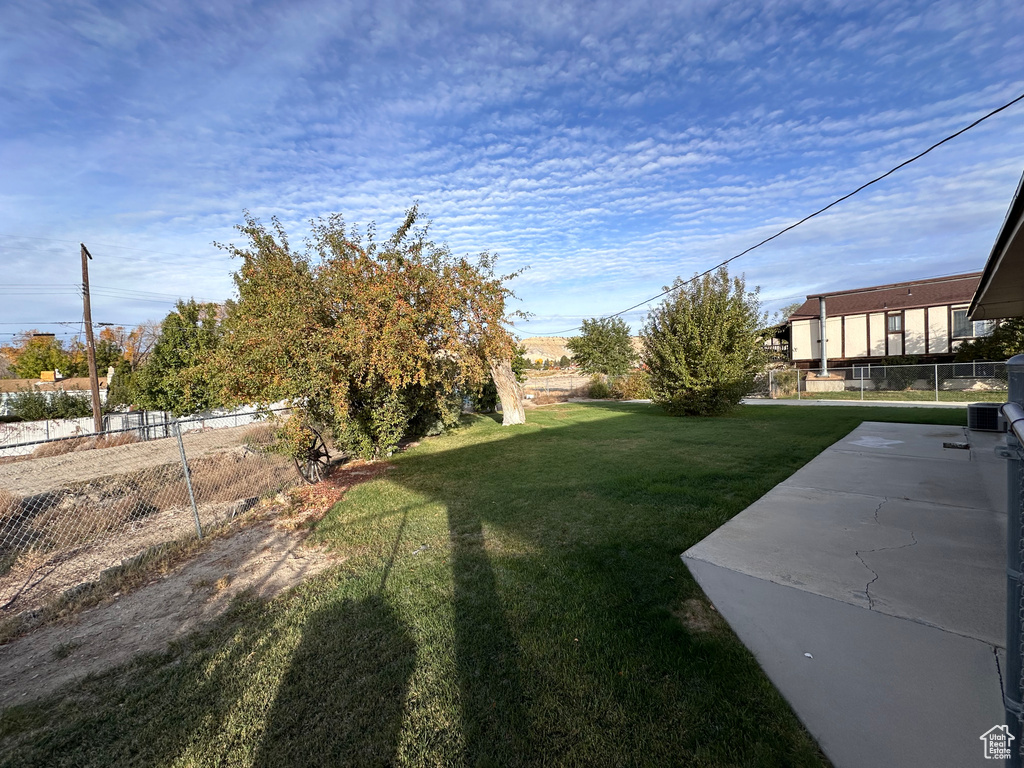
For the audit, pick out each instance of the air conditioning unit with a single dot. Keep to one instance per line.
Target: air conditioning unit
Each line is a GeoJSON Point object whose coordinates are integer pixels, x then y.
{"type": "Point", "coordinates": [985, 417]}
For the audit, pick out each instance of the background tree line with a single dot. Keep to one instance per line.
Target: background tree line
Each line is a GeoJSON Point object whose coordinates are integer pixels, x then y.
{"type": "Point", "coordinates": [373, 340]}
{"type": "Point", "coordinates": [32, 352]}
{"type": "Point", "coordinates": [702, 347]}
{"type": "Point", "coordinates": [369, 340]}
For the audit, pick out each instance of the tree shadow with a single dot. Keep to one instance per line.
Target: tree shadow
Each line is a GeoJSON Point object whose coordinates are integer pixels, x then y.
{"type": "Point", "coordinates": [565, 582]}
{"type": "Point", "coordinates": [486, 654]}
{"type": "Point", "coordinates": [564, 569]}
{"type": "Point", "coordinates": [322, 718]}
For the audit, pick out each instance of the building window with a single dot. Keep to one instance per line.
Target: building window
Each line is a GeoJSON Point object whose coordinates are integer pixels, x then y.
{"type": "Point", "coordinates": [895, 323]}
{"type": "Point", "coordinates": [966, 329]}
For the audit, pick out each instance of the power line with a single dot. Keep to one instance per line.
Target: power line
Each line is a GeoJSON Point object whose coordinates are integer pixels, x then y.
{"type": "Point", "coordinates": [41, 289]}
{"type": "Point", "coordinates": [30, 324]}
{"type": "Point", "coordinates": [78, 286]}
{"type": "Point", "coordinates": [807, 218]}
{"type": "Point", "coordinates": [98, 245]}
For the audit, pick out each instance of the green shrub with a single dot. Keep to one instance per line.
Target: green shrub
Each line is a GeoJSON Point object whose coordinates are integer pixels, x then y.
{"type": "Point", "coordinates": [633, 386]}
{"type": "Point", "coordinates": [30, 405]}
{"type": "Point", "coordinates": [703, 345]}
{"type": "Point", "coordinates": [899, 373]}
{"type": "Point", "coordinates": [598, 388]}
{"type": "Point", "coordinates": [785, 382]}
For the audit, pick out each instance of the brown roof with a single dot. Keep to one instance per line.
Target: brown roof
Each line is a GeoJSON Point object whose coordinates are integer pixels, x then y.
{"type": "Point", "coordinates": [957, 289]}
{"type": "Point", "coordinates": [79, 384]}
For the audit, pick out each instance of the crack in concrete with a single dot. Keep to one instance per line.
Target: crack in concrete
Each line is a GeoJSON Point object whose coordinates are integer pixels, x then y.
{"type": "Point", "coordinates": [999, 671]}
{"type": "Point", "coordinates": [867, 587]}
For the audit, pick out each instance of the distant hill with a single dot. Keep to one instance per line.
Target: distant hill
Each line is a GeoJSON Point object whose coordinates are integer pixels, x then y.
{"type": "Point", "coordinates": [553, 347]}
{"type": "Point", "coordinates": [546, 348]}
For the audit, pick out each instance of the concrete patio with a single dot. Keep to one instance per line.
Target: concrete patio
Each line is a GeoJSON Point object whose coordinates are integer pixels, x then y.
{"type": "Point", "coordinates": [870, 586]}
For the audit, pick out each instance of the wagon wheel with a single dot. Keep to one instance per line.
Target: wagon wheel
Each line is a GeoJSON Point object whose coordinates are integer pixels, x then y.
{"type": "Point", "coordinates": [313, 462]}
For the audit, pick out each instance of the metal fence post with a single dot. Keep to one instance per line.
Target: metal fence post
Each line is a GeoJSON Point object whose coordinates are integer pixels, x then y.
{"type": "Point", "coordinates": [936, 382]}
{"type": "Point", "coordinates": [188, 479]}
{"type": "Point", "coordinates": [1012, 695]}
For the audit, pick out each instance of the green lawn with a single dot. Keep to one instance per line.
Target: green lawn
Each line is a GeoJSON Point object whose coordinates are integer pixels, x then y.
{"type": "Point", "coordinates": [510, 597]}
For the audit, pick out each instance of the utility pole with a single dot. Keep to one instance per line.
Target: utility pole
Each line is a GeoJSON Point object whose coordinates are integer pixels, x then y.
{"type": "Point", "coordinates": [821, 332]}
{"type": "Point", "coordinates": [90, 344]}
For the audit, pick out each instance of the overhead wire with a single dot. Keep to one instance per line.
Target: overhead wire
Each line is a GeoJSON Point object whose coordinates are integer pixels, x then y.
{"type": "Point", "coordinates": [807, 218]}
{"type": "Point", "coordinates": [65, 289]}
{"type": "Point", "coordinates": [97, 245]}
{"type": "Point", "coordinates": [112, 292]}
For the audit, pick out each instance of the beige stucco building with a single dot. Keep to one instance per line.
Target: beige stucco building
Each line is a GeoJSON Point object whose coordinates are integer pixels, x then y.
{"type": "Point", "coordinates": [926, 319]}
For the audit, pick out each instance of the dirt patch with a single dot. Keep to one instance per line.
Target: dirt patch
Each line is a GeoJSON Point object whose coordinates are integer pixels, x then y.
{"type": "Point", "coordinates": [68, 535]}
{"type": "Point", "coordinates": [700, 616]}
{"type": "Point", "coordinates": [261, 560]}
{"type": "Point", "coordinates": [25, 478]}
{"type": "Point", "coordinates": [540, 384]}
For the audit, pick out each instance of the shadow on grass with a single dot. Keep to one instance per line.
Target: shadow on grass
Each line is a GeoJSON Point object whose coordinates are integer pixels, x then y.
{"type": "Point", "coordinates": [342, 698]}
{"type": "Point", "coordinates": [564, 548]}
{"type": "Point", "coordinates": [557, 552]}
{"type": "Point", "coordinates": [487, 657]}
{"type": "Point", "coordinates": [279, 684]}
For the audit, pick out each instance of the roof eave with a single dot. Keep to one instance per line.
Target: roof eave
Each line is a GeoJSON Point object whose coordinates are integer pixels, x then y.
{"type": "Point", "coordinates": [892, 286]}
{"type": "Point", "coordinates": [999, 293]}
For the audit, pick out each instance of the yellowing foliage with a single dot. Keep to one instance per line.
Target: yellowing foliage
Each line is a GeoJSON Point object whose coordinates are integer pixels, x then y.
{"type": "Point", "coordinates": [370, 339]}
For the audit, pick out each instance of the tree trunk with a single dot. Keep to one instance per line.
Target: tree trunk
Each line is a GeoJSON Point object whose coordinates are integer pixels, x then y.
{"type": "Point", "coordinates": [510, 392]}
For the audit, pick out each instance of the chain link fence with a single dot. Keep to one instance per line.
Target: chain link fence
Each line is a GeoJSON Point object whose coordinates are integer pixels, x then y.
{"type": "Point", "coordinates": [1013, 452]}
{"type": "Point", "coordinates": [1016, 509]}
{"type": "Point", "coordinates": [74, 506]}
{"type": "Point", "coordinates": [555, 384]}
{"type": "Point", "coordinates": [942, 382]}
{"type": "Point", "coordinates": [20, 438]}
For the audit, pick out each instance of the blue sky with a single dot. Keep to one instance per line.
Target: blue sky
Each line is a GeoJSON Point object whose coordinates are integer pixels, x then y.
{"type": "Point", "coordinates": [609, 146]}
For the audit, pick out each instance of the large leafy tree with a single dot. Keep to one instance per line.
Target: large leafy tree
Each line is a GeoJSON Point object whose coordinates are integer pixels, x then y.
{"type": "Point", "coordinates": [108, 354]}
{"type": "Point", "coordinates": [1003, 343]}
{"type": "Point", "coordinates": [179, 375]}
{"type": "Point", "coordinates": [703, 345]}
{"type": "Point", "coordinates": [33, 353]}
{"type": "Point", "coordinates": [604, 346]}
{"type": "Point", "coordinates": [371, 339]}
{"type": "Point", "coordinates": [136, 347]}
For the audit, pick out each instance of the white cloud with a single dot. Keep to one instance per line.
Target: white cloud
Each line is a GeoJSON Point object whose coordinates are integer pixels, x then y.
{"type": "Point", "coordinates": [611, 146]}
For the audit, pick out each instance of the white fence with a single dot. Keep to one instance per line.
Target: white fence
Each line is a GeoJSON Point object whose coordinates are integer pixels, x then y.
{"type": "Point", "coordinates": [37, 431]}
{"type": "Point", "coordinates": [22, 438]}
